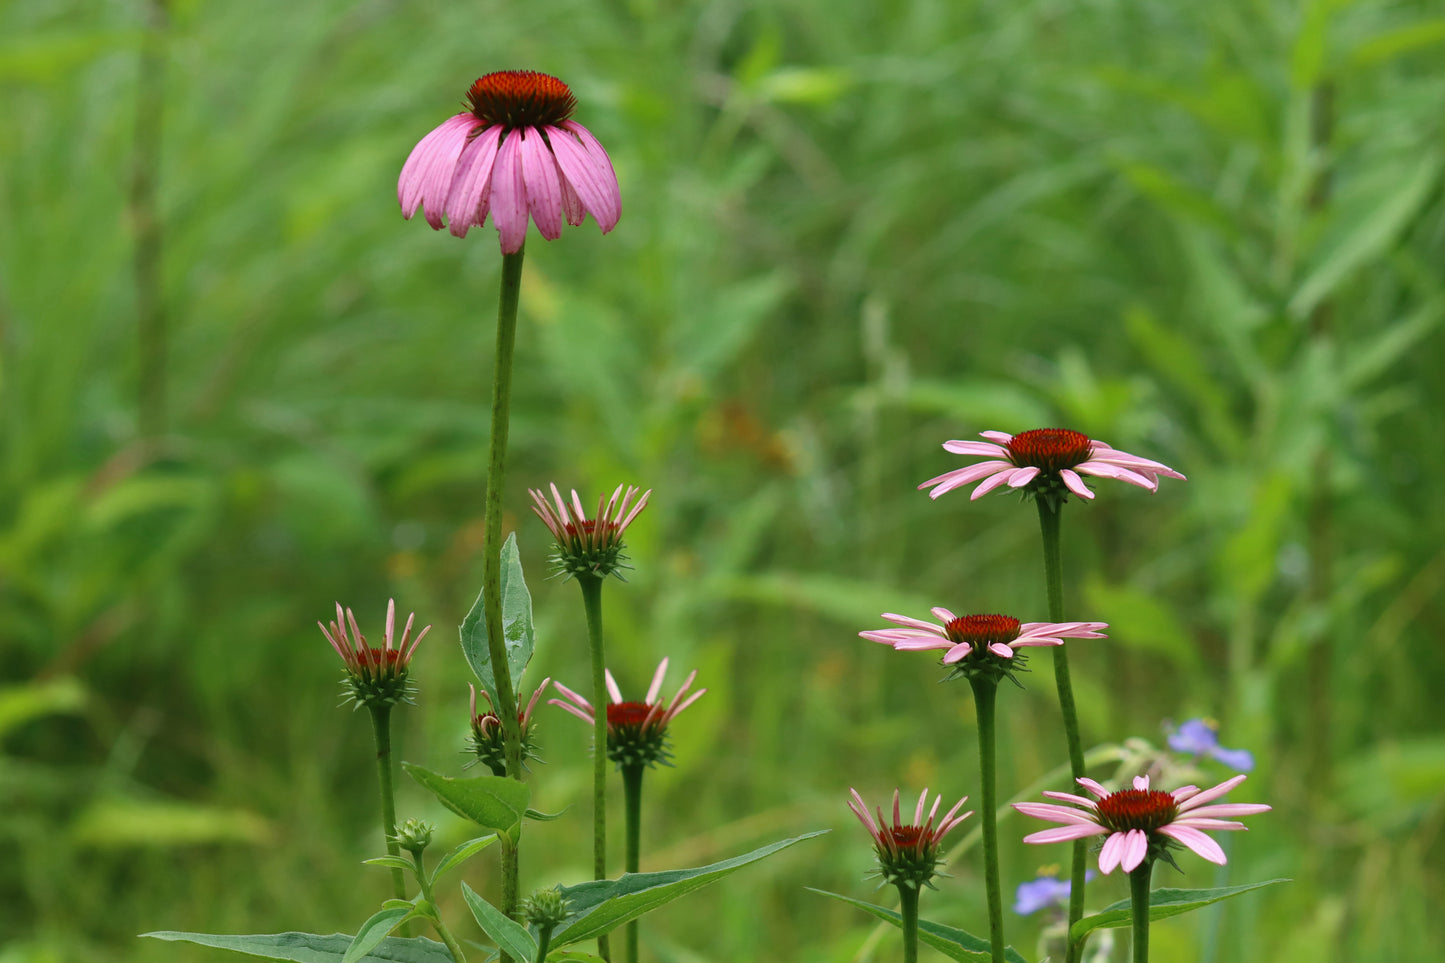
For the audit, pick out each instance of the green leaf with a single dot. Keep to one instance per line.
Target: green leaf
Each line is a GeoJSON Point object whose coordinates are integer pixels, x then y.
{"type": "Point", "coordinates": [395, 862]}
{"type": "Point", "coordinates": [374, 930]}
{"type": "Point", "coordinates": [462, 853]}
{"type": "Point", "coordinates": [573, 956]}
{"type": "Point", "coordinates": [953, 943]}
{"type": "Point", "coordinates": [312, 947]}
{"type": "Point", "coordinates": [603, 905]}
{"type": "Point", "coordinates": [517, 633]}
{"type": "Point", "coordinates": [1163, 903]}
{"type": "Point", "coordinates": [492, 802]}
{"type": "Point", "coordinates": [536, 815]}
{"type": "Point", "coordinates": [509, 935]}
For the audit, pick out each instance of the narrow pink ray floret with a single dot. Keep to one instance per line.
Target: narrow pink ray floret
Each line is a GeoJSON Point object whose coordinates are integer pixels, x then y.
{"type": "Point", "coordinates": [962, 635]}
{"type": "Point", "coordinates": [364, 661]}
{"type": "Point", "coordinates": [908, 852]}
{"type": "Point", "coordinates": [1044, 457]}
{"type": "Point", "coordinates": [590, 546]}
{"type": "Point", "coordinates": [1133, 820]}
{"type": "Point", "coordinates": [516, 154]}
{"type": "Point", "coordinates": [636, 731]}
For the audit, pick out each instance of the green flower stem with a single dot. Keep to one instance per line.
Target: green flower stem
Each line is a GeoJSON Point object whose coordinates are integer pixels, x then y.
{"type": "Point", "coordinates": [544, 940]}
{"type": "Point", "coordinates": [492, 565]}
{"type": "Point", "coordinates": [985, 693]}
{"type": "Point", "coordinates": [1139, 908]}
{"type": "Point", "coordinates": [1054, 580]}
{"type": "Point", "coordinates": [908, 910]}
{"type": "Point", "coordinates": [381, 727]}
{"type": "Point", "coordinates": [424, 881]}
{"type": "Point", "coordinates": [592, 603]}
{"type": "Point", "coordinates": [632, 798]}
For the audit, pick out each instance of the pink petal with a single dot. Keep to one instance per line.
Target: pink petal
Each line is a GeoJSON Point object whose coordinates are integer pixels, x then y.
{"type": "Point", "coordinates": [1060, 834]}
{"type": "Point", "coordinates": [1057, 814]}
{"type": "Point", "coordinates": [976, 448]}
{"type": "Point", "coordinates": [943, 615]}
{"type": "Point", "coordinates": [912, 623]}
{"type": "Point", "coordinates": [586, 717]}
{"type": "Point", "coordinates": [589, 169]}
{"type": "Point", "coordinates": [1102, 470]}
{"type": "Point", "coordinates": [544, 188]}
{"type": "Point", "coordinates": [1113, 851]}
{"type": "Point", "coordinates": [612, 689]}
{"type": "Point", "coordinates": [427, 173]}
{"type": "Point", "coordinates": [1070, 797]}
{"type": "Point", "coordinates": [1002, 437]}
{"type": "Point", "coordinates": [1022, 476]}
{"type": "Point", "coordinates": [656, 686]}
{"type": "Point", "coordinates": [509, 194]}
{"type": "Point", "coordinates": [1074, 483]}
{"type": "Point", "coordinates": [1123, 459]}
{"type": "Point", "coordinates": [1224, 809]}
{"type": "Point", "coordinates": [957, 654]}
{"type": "Point", "coordinates": [1136, 847]}
{"type": "Point", "coordinates": [1199, 799]}
{"type": "Point", "coordinates": [990, 484]}
{"type": "Point", "coordinates": [1196, 841]}
{"type": "Point", "coordinates": [1001, 650]}
{"type": "Point", "coordinates": [471, 183]}
{"type": "Point", "coordinates": [1092, 786]}
{"type": "Point", "coordinates": [921, 645]}
{"type": "Point", "coordinates": [959, 477]}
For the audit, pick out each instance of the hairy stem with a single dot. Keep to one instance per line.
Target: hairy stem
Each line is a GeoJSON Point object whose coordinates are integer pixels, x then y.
{"type": "Point", "coordinates": [592, 602]}
{"type": "Point", "coordinates": [908, 910]}
{"type": "Point", "coordinates": [1139, 907]}
{"type": "Point", "coordinates": [632, 798]}
{"type": "Point", "coordinates": [381, 727]}
{"type": "Point", "coordinates": [985, 693]}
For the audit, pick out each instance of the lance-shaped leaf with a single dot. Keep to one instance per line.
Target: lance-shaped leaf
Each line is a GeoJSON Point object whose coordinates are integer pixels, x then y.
{"type": "Point", "coordinates": [953, 943]}
{"type": "Point", "coordinates": [378, 928]}
{"type": "Point", "coordinates": [462, 853]}
{"type": "Point", "coordinates": [313, 947]}
{"type": "Point", "coordinates": [601, 906]}
{"type": "Point", "coordinates": [1163, 903]}
{"type": "Point", "coordinates": [517, 636]}
{"type": "Point", "coordinates": [509, 935]}
{"type": "Point", "coordinates": [492, 802]}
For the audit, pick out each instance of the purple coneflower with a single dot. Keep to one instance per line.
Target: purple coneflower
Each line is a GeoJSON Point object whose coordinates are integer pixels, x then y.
{"type": "Point", "coordinates": [590, 546]}
{"type": "Point", "coordinates": [1141, 822]}
{"type": "Point", "coordinates": [514, 153]}
{"type": "Point", "coordinates": [1045, 461]}
{"type": "Point", "coordinates": [636, 731]}
{"type": "Point", "coordinates": [374, 676]}
{"type": "Point", "coordinates": [966, 634]}
{"type": "Point", "coordinates": [908, 853]}
{"type": "Point", "coordinates": [487, 742]}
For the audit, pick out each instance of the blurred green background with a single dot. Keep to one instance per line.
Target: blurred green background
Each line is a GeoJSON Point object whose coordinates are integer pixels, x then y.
{"type": "Point", "coordinates": [1212, 234]}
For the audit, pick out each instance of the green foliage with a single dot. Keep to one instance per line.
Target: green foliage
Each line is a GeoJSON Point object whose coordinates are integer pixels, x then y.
{"type": "Point", "coordinates": [492, 802]}
{"type": "Point", "coordinates": [953, 943]}
{"type": "Point", "coordinates": [517, 633]}
{"type": "Point", "coordinates": [511, 937]}
{"type": "Point", "coordinates": [311, 948]}
{"type": "Point", "coordinates": [1163, 903]}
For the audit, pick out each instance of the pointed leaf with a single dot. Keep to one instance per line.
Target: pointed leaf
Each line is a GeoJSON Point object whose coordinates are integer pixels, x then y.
{"type": "Point", "coordinates": [601, 906]}
{"type": "Point", "coordinates": [394, 862]}
{"type": "Point", "coordinates": [492, 802]}
{"type": "Point", "coordinates": [462, 853]}
{"type": "Point", "coordinates": [517, 635]}
{"type": "Point", "coordinates": [313, 947]}
{"type": "Point", "coordinates": [536, 815]}
{"type": "Point", "coordinates": [509, 935]}
{"type": "Point", "coordinates": [953, 943]}
{"type": "Point", "coordinates": [374, 930]}
{"type": "Point", "coordinates": [1163, 903]}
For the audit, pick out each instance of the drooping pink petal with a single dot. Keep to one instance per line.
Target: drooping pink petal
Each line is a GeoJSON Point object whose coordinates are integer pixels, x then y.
{"type": "Point", "coordinates": [1058, 814]}
{"type": "Point", "coordinates": [1060, 834]}
{"type": "Point", "coordinates": [999, 437]}
{"type": "Point", "coordinates": [1022, 476]}
{"type": "Point", "coordinates": [1112, 852]}
{"type": "Point", "coordinates": [959, 477]}
{"type": "Point", "coordinates": [1136, 847]}
{"type": "Point", "coordinates": [597, 176]}
{"type": "Point", "coordinates": [954, 655]}
{"type": "Point", "coordinates": [1198, 799]}
{"type": "Point", "coordinates": [1121, 474]}
{"type": "Point", "coordinates": [987, 449]}
{"type": "Point", "coordinates": [1195, 840]}
{"type": "Point", "coordinates": [1074, 483]}
{"type": "Point", "coordinates": [468, 192]}
{"type": "Point", "coordinates": [990, 484]}
{"type": "Point", "coordinates": [427, 173]}
{"type": "Point", "coordinates": [544, 188]}
{"type": "Point", "coordinates": [509, 195]}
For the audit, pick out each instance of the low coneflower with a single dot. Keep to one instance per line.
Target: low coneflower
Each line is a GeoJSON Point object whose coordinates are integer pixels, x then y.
{"type": "Point", "coordinates": [514, 153]}
{"type": "Point", "coordinates": [374, 676]}
{"type": "Point", "coordinates": [487, 743]}
{"type": "Point", "coordinates": [1045, 462]}
{"type": "Point", "coordinates": [636, 731]}
{"type": "Point", "coordinates": [1140, 822]}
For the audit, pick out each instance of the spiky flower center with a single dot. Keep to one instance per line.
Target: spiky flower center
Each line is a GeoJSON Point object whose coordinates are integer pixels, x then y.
{"type": "Point", "coordinates": [627, 714]}
{"type": "Point", "coordinates": [633, 740]}
{"type": "Point", "coordinates": [907, 837]}
{"type": "Point", "coordinates": [1146, 809]}
{"type": "Point", "coordinates": [907, 855]}
{"type": "Point", "coordinates": [1050, 449]}
{"type": "Point", "coordinates": [521, 98]}
{"type": "Point", "coordinates": [981, 631]}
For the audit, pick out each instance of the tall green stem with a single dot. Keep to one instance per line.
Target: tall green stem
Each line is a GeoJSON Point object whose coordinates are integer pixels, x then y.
{"type": "Point", "coordinates": [1054, 581]}
{"type": "Point", "coordinates": [1139, 907]}
{"type": "Point", "coordinates": [424, 881]}
{"type": "Point", "coordinates": [632, 799]}
{"type": "Point", "coordinates": [381, 727]}
{"type": "Point", "coordinates": [592, 603]}
{"type": "Point", "coordinates": [908, 910]}
{"type": "Point", "coordinates": [985, 693]}
{"type": "Point", "coordinates": [492, 565]}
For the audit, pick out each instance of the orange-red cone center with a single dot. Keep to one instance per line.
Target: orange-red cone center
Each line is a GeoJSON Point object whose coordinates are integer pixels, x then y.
{"type": "Point", "coordinates": [521, 98]}
{"type": "Point", "coordinates": [1050, 449]}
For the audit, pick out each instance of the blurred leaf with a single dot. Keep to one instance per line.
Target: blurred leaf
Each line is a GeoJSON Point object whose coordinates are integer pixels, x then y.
{"type": "Point", "coordinates": [492, 802]}
{"type": "Point", "coordinates": [1248, 559]}
{"type": "Point", "coordinates": [517, 631]}
{"type": "Point", "coordinates": [1398, 42]}
{"type": "Point", "coordinates": [1141, 620]}
{"type": "Point", "coordinates": [374, 930]}
{"type": "Point", "coordinates": [1370, 360]}
{"type": "Point", "coordinates": [126, 823]}
{"type": "Point", "coordinates": [846, 601]}
{"type": "Point", "coordinates": [1163, 903]}
{"type": "Point", "coordinates": [707, 338]}
{"type": "Point", "coordinates": [1176, 197]}
{"type": "Point", "coordinates": [33, 700]}
{"type": "Point", "coordinates": [1363, 228]}
{"type": "Point", "coordinates": [48, 59]}
{"type": "Point", "coordinates": [509, 935]}
{"type": "Point", "coordinates": [1395, 775]}
{"type": "Point", "coordinates": [805, 85]}
{"type": "Point", "coordinates": [952, 943]}
{"type": "Point", "coordinates": [1174, 355]}
{"type": "Point", "coordinates": [979, 404]}
{"type": "Point", "coordinates": [312, 947]}
{"type": "Point", "coordinates": [599, 907]}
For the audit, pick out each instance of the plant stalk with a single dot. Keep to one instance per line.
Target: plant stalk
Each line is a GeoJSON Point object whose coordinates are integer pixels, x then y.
{"type": "Point", "coordinates": [492, 564]}
{"type": "Point", "coordinates": [985, 694]}
{"type": "Point", "coordinates": [1054, 583]}
{"type": "Point", "coordinates": [908, 910]}
{"type": "Point", "coordinates": [632, 799]}
{"type": "Point", "coordinates": [381, 727]}
{"type": "Point", "coordinates": [1139, 908]}
{"type": "Point", "coordinates": [592, 603]}
{"type": "Point", "coordinates": [424, 882]}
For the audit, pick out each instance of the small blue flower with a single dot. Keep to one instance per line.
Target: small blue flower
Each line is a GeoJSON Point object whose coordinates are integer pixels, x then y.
{"type": "Point", "coordinates": [1199, 738]}
{"type": "Point", "coordinates": [1048, 890]}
